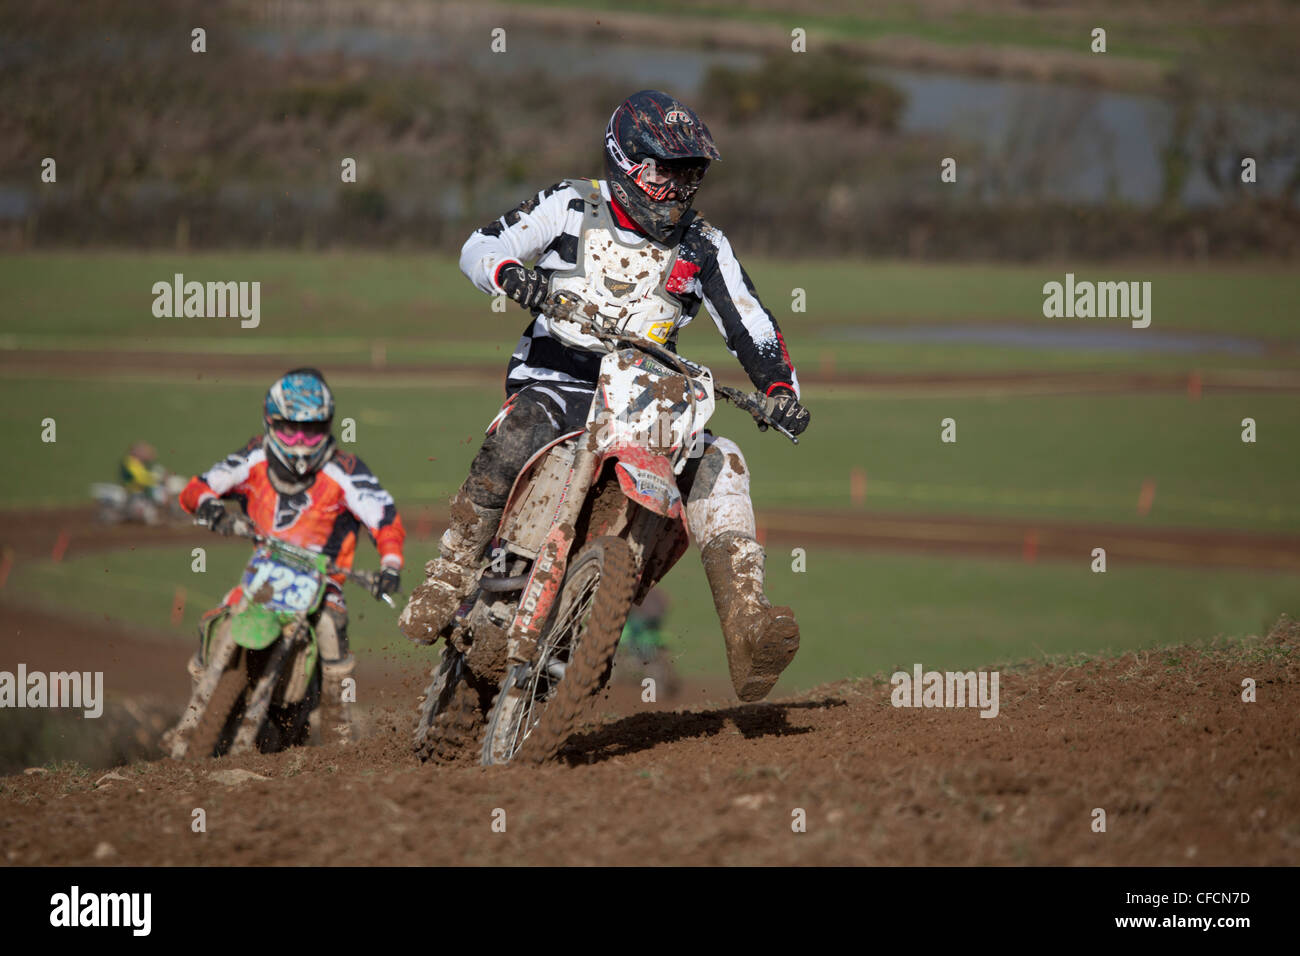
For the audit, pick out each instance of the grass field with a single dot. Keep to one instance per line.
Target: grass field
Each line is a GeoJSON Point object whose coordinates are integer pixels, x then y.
{"type": "Point", "coordinates": [860, 614]}
{"type": "Point", "coordinates": [1072, 457]}
{"type": "Point", "coordinates": [353, 295]}
{"type": "Point", "coordinates": [1162, 39]}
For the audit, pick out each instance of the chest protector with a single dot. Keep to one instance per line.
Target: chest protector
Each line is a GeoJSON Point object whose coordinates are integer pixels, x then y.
{"type": "Point", "coordinates": [625, 281]}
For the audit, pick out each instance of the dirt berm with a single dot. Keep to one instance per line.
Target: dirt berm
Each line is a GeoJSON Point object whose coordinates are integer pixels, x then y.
{"type": "Point", "coordinates": [1186, 771]}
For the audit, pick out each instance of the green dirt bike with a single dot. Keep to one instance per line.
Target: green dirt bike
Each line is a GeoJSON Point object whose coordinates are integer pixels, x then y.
{"type": "Point", "coordinates": [262, 679]}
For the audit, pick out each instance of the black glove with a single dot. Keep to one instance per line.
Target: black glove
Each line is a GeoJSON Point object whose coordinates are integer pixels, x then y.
{"type": "Point", "coordinates": [388, 581]}
{"type": "Point", "coordinates": [785, 410]}
{"type": "Point", "coordinates": [214, 514]}
{"type": "Point", "coordinates": [525, 286]}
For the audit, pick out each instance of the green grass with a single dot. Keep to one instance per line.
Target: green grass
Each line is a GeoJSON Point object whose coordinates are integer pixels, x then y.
{"type": "Point", "coordinates": [419, 440]}
{"type": "Point", "coordinates": [860, 614]}
{"type": "Point", "coordinates": [1070, 457]}
{"type": "Point", "coordinates": [138, 586]}
{"type": "Point", "coordinates": [953, 27]}
{"type": "Point", "coordinates": [1079, 457]}
{"type": "Point", "coordinates": [349, 299]}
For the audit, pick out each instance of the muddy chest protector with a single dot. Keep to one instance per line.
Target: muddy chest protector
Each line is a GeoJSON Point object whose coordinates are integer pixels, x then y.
{"type": "Point", "coordinates": [626, 282]}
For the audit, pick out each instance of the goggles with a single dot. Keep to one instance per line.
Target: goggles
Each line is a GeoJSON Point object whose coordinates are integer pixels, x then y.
{"type": "Point", "coordinates": [664, 180]}
{"type": "Point", "coordinates": [309, 434]}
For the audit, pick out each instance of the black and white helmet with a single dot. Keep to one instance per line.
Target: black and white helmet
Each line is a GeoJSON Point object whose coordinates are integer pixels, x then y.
{"type": "Point", "coordinates": [656, 153]}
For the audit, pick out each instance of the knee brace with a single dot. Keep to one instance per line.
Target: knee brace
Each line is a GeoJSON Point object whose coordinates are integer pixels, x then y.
{"type": "Point", "coordinates": [719, 499]}
{"type": "Point", "coordinates": [332, 634]}
{"type": "Point", "coordinates": [335, 671]}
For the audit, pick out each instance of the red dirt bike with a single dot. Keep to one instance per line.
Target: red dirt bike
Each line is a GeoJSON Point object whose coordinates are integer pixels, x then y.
{"type": "Point", "coordinates": [594, 520]}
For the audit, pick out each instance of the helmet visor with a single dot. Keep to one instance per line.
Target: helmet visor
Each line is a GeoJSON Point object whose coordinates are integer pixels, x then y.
{"type": "Point", "coordinates": [306, 434]}
{"type": "Point", "coordinates": [669, 180]}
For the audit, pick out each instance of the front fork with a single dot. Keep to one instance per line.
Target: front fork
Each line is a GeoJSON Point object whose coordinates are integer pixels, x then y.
{"type": "Point", "coordinates": [547, 574]}
{"type": "Point", "coordinates": [218, 654]}
{"type": "Point", "coordinates": [259, 698]}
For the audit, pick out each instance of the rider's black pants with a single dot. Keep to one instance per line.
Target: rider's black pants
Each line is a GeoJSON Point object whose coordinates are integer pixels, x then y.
{"type": "Point", "coordinates": [537, 414]}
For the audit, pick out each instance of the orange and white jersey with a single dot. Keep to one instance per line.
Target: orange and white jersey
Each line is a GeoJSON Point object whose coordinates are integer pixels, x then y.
{"type": "Point", "coordinates": [344, 497]}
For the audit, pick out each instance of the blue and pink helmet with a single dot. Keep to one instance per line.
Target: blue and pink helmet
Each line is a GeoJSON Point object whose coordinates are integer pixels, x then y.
{"type": "Point", "coordinates": [298, 413]}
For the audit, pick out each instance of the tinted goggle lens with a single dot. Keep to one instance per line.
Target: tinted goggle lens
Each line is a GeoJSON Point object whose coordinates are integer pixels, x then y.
{"type": "Point", "coordinates": [662, 181]}
{"type": "Point", "coordinates": [301, 433]}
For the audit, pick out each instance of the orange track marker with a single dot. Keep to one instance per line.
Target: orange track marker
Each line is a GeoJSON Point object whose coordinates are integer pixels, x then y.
{"type": "Point", "coordinates": [6, 565]}
{"type": "Point", "coordinates": [858, 487]}
{"type": "Point", "coordinates": [827, 364]}
{"type": "Point", "coordinates": [60, 545]}
{"type": "Point", "coordinates": [1146, 497]}
{"type": "Point", "coordinates": [1030, 549]}
{"type": "Point", "coordinates": [178, 607]}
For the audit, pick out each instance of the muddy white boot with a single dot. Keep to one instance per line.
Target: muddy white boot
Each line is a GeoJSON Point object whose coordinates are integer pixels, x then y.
{"type": "Point", "coordinates": [450, 576]}
{"type": "Point", "coordinates": [335, 712]}
{"type": "Point", "coordinates": [761, 639]}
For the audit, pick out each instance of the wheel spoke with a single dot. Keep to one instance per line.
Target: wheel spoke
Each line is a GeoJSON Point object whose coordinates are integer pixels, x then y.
{"type": "Point", "coordinates": [558, 643]}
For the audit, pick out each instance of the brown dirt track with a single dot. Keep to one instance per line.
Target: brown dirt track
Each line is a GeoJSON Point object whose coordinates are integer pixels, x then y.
{"type": "Point", "coordinates": [1187, 772]}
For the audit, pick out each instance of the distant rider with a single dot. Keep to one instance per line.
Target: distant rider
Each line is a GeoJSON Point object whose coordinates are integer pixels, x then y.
{"type": "Point", "coordinates": [296, 485]}
{"type": "Point", "coordinates": [143, 480]}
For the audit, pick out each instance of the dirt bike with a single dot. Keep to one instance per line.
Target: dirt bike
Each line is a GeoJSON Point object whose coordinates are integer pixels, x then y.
{"type": "Point", "coordinates": [594, 520]}
{"type": "Point", "coordinates": [155, 506]}
{"type": "Point", "coordinates": [262, 679]}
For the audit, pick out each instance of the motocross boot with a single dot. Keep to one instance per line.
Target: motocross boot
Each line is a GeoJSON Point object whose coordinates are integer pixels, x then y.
{"type": "Point", "coordinates": [335, 712]}
{"type": "Point", "coordinates": [452, 575]}
{"type": "Point", "coordinates": [761, 639]}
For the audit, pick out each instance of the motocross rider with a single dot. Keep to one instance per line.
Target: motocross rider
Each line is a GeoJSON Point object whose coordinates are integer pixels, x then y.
{"type": "Point", "coordinates": [142, 477]}
{"type": "Point", "coordinates": [630, 240]}
{"type": "Point", "coordinates": [295, 484]}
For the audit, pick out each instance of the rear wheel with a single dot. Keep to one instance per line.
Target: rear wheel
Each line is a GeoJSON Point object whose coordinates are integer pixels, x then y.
{"type": "Point", "coordinates": [221, 711]}
{"type": "Point", "coordinates": [539, 704]}
{"type": "Point", "coordinates": [289, 725]}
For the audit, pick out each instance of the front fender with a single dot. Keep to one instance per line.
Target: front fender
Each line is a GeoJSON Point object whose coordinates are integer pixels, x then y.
{"type": "Point", "coordinates": [648, 479]}
{"type": "Point", "coordinates": [255, 627]}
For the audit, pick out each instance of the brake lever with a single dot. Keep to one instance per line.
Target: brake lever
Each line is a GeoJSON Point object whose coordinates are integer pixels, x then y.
{"type": "Point", "coordinates": [365, 580]}
{"type": "Point", "coordinates": [764, 425]}
{"type": "Point", "coordinates": [754, 406]}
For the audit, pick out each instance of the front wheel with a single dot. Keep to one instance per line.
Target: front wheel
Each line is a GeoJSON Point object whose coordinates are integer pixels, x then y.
{"type": "Point", "coordinates": [539, 703]}
{"type": "Point", "coordinates": [220, 716]}
{"type": "Point", "coordinates": [451, 714]}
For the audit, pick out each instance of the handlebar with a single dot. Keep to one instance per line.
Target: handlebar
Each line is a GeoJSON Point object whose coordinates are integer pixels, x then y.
{"type": "Point", "coordinates": [753, 403]}
{"type": "Point", "coordinates": [365, 579]}
{"type": "Point", "coordinates": [569, 308]}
